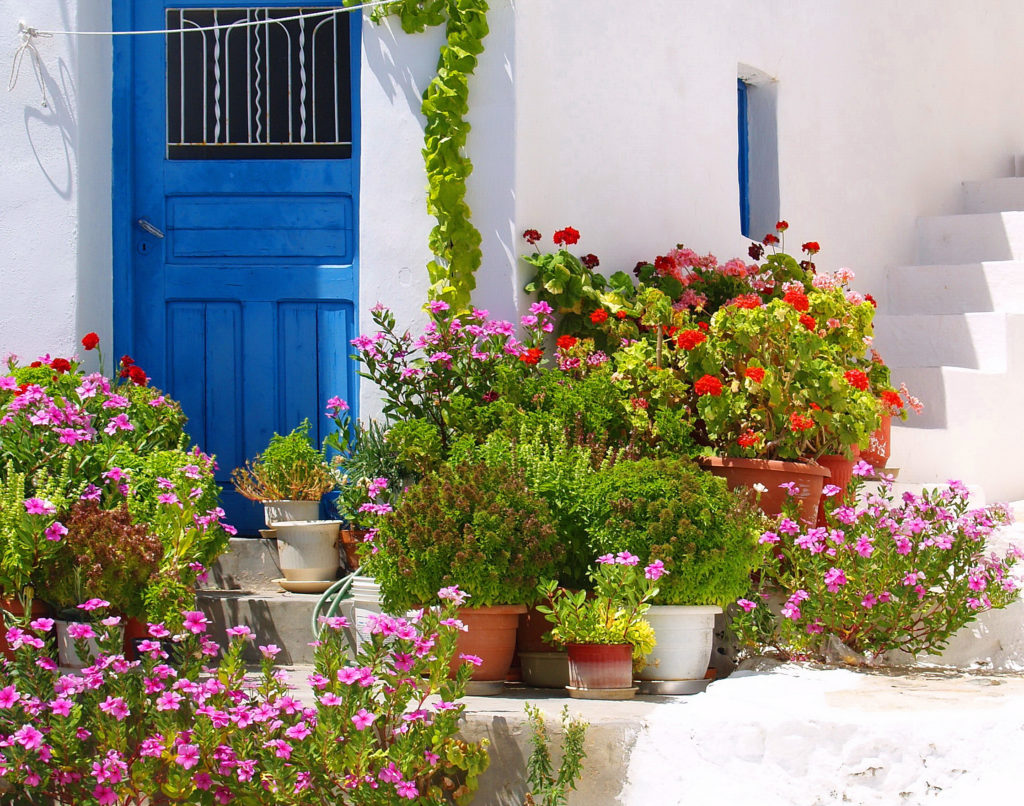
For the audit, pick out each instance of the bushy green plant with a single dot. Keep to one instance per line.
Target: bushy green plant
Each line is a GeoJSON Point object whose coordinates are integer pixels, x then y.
{"type": "Point", "coordinates": [545, 787]}
{"type": "Point", "coordinates": [290, 469]}
{"type": "Point", "coordinates": [471, 525]}
{"type": "Point", "coordinates": [105, 555]}
{"type": "Point", "coordinates": [370, 465]}
{"type": "Point", "coordinates": [672, 511]}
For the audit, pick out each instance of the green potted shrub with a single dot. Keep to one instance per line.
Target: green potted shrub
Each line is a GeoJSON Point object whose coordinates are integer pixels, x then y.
{"type": "Point", "coordinates": [671, 511]}
{"type": "Point", "coordinates": [477, 527]}
{"type": "Point", "coordinates": [605, 632]}
{"type": "Point", "coordinates": [289, 478]}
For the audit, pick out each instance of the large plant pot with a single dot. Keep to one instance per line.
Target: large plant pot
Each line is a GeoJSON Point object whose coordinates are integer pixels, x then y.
{"type": "Point", "coordinates": [350, 540]}
{"type": "Point", "coordinates": [685, 636]}
{"type": "Point", "coordinates": [276, 511]}
{"type": "Point", "coordinates": [492, 638]}
{"type": "Point", "coordinates": [365, 594]}
{"type": "Point", "coordinates": [599, 668]}
{"type": "Point", "coordinates": [771, 473]}
{"type": "Point", "coordinates": [545, 669]}
{"type": "Point", "coordinates": [308, 550]}
{"type": "Point", "coordinates": [880, 444]}
{"type": "Point", "coordinates": [67, 652]}
{"type": "Point", "coordinates": [841, 470]}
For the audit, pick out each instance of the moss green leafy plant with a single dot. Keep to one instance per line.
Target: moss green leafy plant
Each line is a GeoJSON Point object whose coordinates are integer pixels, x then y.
{"type": "Point", "coordinates": [545, 786]}
{"type": "Point", "coordinates": [454, 241]}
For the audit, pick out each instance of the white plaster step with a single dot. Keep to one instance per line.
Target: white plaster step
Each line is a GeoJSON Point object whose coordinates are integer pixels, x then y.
{"type": "Point", "coordinates": [962, 288]}
{"type": "Point", "coordinates": [250, 563]}
{"type": "Point", "coordinates": [970, 238]}
{"type": "Point", "coordinates": [975, 340]}
{"type": "Point", "coordinates": [994, 195]}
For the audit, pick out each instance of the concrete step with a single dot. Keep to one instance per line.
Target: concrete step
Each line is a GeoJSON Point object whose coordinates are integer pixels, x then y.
{"type": "Point", "coordinates": [974, 340]}
{"type": "Point", "coordinates": [250, 563]}
{"type": "Point", "coordinates": [279, 618]}
{"type": "Point", "coordinates": [963, 288]}
{"type": "Point", "coordinates": [994, 195]}
{"type": "Point", "coordinates": [970, 238]}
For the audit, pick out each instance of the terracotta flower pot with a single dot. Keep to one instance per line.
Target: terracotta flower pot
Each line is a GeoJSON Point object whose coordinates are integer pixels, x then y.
{"type": "Point", "coordinates": [13, 606]}
{"type": "Point", "coordinates": [350, 540]}
{"type": "Point", "coordinates": [841, 469]}
{"type": "Point", "coordinates": [600, 666]}
{"type": "Point", "coordinates": [492, 638]}
{"type": "Point", "coordinates": [771, 473]}
{"type": "Point", "coordinates": [877, 452]}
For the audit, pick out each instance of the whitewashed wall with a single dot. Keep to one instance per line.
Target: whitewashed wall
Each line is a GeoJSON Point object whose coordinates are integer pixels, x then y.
{"type": "Point", "coordinates": [55, 183]}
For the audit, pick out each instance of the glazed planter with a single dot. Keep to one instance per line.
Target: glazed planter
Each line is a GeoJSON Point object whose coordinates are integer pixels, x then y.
{"type": "Point", "coordinates": [771, 473]}
{"type": "Point", "coordinates": [841, 470]}
{"type": "Point", "coordinates": [308, 550]}
{"type": "Point", "coordinates": [276, 511]}
{"type": "Point", "coordinates": [599, 668]}
{"type": "Point", "coordinates": [685, 636]}
{"type": "Point", "coordinates": [880, 444]}
{"type": "Point", "coordinates": [492, 638]}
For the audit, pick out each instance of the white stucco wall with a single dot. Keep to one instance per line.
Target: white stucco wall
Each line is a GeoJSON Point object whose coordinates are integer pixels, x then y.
{"type": "Point", "coordinates": [55, 183]}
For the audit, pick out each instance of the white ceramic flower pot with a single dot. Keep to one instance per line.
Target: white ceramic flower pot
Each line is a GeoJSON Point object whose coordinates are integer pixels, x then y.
{"type": "Point", "coordinates": [308, 550]}
{"type": "Point", "coordinates": [366, 603]}
{"type": "Point", "coordinates": [276, 511]}
{"type": "Point", "coordinates": [67, 652]}
{"type": "Point", "coordinates": [684, 638]}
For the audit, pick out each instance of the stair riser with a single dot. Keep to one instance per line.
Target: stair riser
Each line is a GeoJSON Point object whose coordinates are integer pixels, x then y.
{"type": "Point", "coordinates": [976, 341]}
{"type": "Point", "coordinates": [976, 287]}
{"type": "Point", "coordinates": [945, 240]}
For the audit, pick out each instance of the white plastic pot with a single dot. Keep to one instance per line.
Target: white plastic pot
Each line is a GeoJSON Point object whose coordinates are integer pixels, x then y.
{"type": "Point", "coordinates": [308, 550]}
{"type": "Point", "coordinates": [276, 511]}
{"type": "Point", "coordinates": [684, 638]}
{"type": "Point", "coordinates": [366, 603]}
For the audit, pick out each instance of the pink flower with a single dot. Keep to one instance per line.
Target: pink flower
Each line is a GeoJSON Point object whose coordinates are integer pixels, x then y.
{"type": "Point", "coordinates": [746, 604]}
{"type": "Point", "coordinates": [863, 469]}
{"type": "Point", "coordinates": [625, 558]}
{"type": "Point", "coordinates": [407, 789]}
{"type": "Point", "coordinates": [454, 595]}
{"type": "Point", "coordinates": [362, 719]}
{"type": "Point", "coordinates": [270, 650]}
{"type": "Point", "coordinates": [116, 707]}
{"type": "Point", "coordinates": [655, 570]}
{"type": "Point", "coordinates": [188, 756]}
{"type": "Point", "coordinates": [835, 578]}
{"type": "Point", "coordinates": [55, 531]}
{"type": "Point", "coordinates": [195, 622]}
{"type": "Point", "coordinates": [472, 659]}
{"type": "Point", "coordinates": [80, 631]}
{"type": "Point", "coordinates": [93, 604]}
{"type": "Point", "coordinates": [42, 624]}
{"type": "Point", "coordinates": [39, 506]}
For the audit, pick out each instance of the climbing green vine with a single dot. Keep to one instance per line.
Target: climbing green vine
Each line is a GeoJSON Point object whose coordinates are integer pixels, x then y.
{"type": "Point", "coordinates": [454, 241]}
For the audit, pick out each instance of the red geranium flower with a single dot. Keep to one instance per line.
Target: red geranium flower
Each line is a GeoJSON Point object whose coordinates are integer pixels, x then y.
{"type": "Point", "coordinates": [127, 360]}
{"type": "Point", "coordinates": [532, 236]}
{"type": "Point", "coordinates": [532, 356]}
{"type": "Point", "coordinates": [703, 326]}
{"type": "Point", "coordinates": [755, 250]}
{"type": "Point", "coordinates": [137, 376]}
{"type": "Point", "coordinates": [749, 301]}
{"type": "Point", "coordinates": [708, 385]}
{"type": "Point", "coordinates": [639, 402]}
{"type": "Point", "coordinates": [811, 247]}
{"type": "Point", "coordinates": [798, 299]}
{"type": "Point", "coordinates": [590, 261]}
{"type": "Point", "coordinates": [856, 379]}
{"type": "Point", "coordinates": [689, 339]}
{"type": "Point", "coordinates": [60, 365]}
{"type": "Point", "coordinates": [90, 341]}
{"type": "Point", "coordinates": [871, 299]}
{"type": "Point", "coordinates": [892, 401]}
{"type": "Point", "coordinates": [756, 374]}
{"type": "Point", "coordinates": [808, 321]}
{"type": "Point", "coordinates": [36, 364]}
{"type": "Point", "coordinates": [566, 342]}
{"type": "Point", "coordinates": [669, 330]}
{"type": "Point", "coordinates": [782, 226]}
{"type": "Point", "coordinates": [797, 422]}
{"type": "Point", "coordinates": [566, 237]}
{"type": "Point", "coordinates": [620, 314]}
{"type": "Point", "coordinates": [770, 239]}
{"type": "Point", "coordinates": [598, 316]}
{"type": "Point", "coordinates": [747, 439]}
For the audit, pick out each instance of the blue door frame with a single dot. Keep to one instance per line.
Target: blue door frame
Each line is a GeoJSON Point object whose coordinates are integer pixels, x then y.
{"type": "Point", "coordinates": [244, 310]}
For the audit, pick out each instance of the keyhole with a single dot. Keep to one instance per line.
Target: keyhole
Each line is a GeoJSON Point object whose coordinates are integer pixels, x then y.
{"type": "Point", "coordinates": [143, 248]}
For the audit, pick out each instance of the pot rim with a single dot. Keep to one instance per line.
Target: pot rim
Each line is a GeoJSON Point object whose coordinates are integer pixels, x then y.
{"type": "Point", "coordinates": [764, 464]}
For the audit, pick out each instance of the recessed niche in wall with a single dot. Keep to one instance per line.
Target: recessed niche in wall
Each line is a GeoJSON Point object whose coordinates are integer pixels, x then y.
{"type": "Point", "coordinates": [758, 158]}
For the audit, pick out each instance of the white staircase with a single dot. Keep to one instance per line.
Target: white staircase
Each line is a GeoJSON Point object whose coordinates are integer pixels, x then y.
{"type": "Point", "coordinates": [954, 332]}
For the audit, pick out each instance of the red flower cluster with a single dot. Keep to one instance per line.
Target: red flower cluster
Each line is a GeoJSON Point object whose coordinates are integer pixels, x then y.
{"type": "Point", "coordinates": [532, 236]}
{"type": "Point", "coordinates": [747, 301]}
{"type": "Point", "coordinates": [747, 439]}
{"type": "Point", "coordinates": [130, 370]}
{"type": "Point", "coordinates": [708, 385]}
{"type": "Point", "coordinates": [857, 379]}
{"type": "Point", "coordinates": [639, 402]}
{"type": "Point", "coordinates": [620, 314]}
{"type": "Point", "coordinates": [590, 261]}
{"type": "Point", "coordinates": [532, 356]}
{"type": "Point", "coordinates": [770, 240]}
{"type": "Point", "coordinates": [60, 365]}
{"type": "Point", "coordinates": [756, 374]}
{"type": "Point", "coordinates": [689, 339]}
{"type": "Point", "coordinates": [797, 422]}
{"type": "Point", "coordinates": [892, 400]}
{"type": "Point", "coordinates": [871, 299]}
{"type": "Point", "coordinates": [782, 226]}
{"type": "Point", "coordinates": [808, 321]}
{"type": "Point", "coordinates": [811, 247]}
{"type": "Point", "coordinates": [704, 326]}
{"type": "Point", "coordinates": [566, 237]}
{"type": "Point", "coordinates": [566, 342]}
{"type": "Point", "coordinates": [90, 341]}
{"type": "Point", "coordinates": [798, 299]}
{"type": "Point", "coordinates": [598, 316]}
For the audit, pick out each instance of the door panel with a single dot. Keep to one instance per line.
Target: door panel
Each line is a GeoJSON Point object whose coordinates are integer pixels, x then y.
{"type": "Point", "coordinates": [244, 309]}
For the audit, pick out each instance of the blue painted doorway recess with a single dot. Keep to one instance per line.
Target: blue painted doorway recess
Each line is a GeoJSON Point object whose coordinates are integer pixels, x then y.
{"type": "Point", "coordinates": [236, 216]}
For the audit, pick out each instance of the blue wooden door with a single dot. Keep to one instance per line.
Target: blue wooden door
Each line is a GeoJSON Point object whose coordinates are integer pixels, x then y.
{"type": "Point", "coordinates": [236, 149]}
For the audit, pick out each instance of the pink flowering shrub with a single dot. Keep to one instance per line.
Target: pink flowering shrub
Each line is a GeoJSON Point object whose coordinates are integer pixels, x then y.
{"type": "Point", "coordinates": [381, 728]}
{"type": "Point", "coordinates": [883, 574]}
